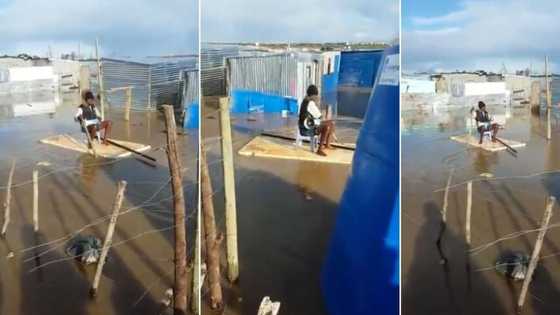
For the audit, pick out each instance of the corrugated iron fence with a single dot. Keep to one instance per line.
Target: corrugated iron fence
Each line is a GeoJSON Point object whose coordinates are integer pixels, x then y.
{"type": "Point", "coordinates": [152, 84]}
{"type": "Point", "coordinates": [190, 87]}
{"type": "Point", "coordinates": [213, 68]}
{"type": "Point", "coordinates": [282, 74]}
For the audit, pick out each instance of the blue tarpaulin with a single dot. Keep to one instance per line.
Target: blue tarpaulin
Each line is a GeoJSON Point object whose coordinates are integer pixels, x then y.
{"type": "Point", "coordinates": [361, 271]}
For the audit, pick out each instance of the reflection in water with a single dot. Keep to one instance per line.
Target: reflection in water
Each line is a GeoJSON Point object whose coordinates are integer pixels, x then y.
{"type": "Point", "coordinates": [88, 170]}
{"type": "Point", "coordinates": [484, 162]}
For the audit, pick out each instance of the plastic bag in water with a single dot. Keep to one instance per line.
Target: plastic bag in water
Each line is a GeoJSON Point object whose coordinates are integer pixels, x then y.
{"type": "Point", "coordinates": [513, 265]}
{"type": "Point", "coordinates": [85, 248]}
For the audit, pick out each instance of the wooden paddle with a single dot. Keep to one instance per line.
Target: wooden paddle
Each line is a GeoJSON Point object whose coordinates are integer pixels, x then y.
{"type": "Point", "coordinates": [131, 150]}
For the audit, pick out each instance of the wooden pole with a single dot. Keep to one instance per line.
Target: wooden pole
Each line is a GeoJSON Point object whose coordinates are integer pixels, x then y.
{"type": "Point", "coordinates": [469, 209]}
{"type": "Point", "coordinates": [128, 104]}
{"type": "Point", "coordinates": [35, 200]}
{"type": "Point", "coordinates": [117, 203]}
{"type": "Point", "coordinates": [536, 251]}
{"type": "Point", "coordinates": [212, 240]}
{"type": "Point", "coordinates": [101, 92]}
{"type": "Point", "coordinates": [548, 100]}
{"type": "Point", "coordinates": [446, 197]}
{"type": "Point", "coordinates": [8, 199]}
{"type": "Point", "coordinates": [195, 301]}
{"type": "Point", "coordinates": [229, 188]}
{"type": "Point", "coordinates": [181, 286]}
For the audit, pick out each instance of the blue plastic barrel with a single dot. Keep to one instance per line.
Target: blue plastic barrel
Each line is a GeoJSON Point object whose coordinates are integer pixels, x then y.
{"type": "Point", "coordinates": [360, 275]}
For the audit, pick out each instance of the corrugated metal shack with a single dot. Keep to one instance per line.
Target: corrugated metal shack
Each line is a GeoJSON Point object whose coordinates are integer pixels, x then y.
{"type": "Point", "coordinates": [271, 83]}
{"type": "Point", "coordinates": [154, 81]}
{"type": "Point", "coordinates": [213, 67]}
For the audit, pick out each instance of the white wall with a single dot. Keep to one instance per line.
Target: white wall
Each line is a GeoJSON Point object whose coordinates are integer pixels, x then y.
{"type": "Point", "coordinates": [418, 86]}
{"type": "Point", "coordinates": [484, 88]}
{"type": "Point", "coordinates": [19, 74]}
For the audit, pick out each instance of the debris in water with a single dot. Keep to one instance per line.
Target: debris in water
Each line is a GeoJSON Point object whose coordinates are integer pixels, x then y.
{"type": "Point", "coordinates": [268, 307]}
{"type": "Point", "coordinates": [86, 248]}
{"type": "Point", "coordinates": [168, 297]}
{"type": "Point", "coordinates": [10, 255]}
{"type": "Point", "coordinates": [513, 265]}
{"type": "Point", "coordinates": [487, 175]}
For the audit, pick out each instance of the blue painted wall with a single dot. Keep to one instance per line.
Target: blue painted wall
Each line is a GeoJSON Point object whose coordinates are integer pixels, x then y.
{"type": "Point", "coordinates": [244, 101]}
{"type": "Point", "coordinates": [358, 70]}
{"type": "Point", "coordinates": [361, 271]}
{"type": "Point", "coordinates": [191, 116]}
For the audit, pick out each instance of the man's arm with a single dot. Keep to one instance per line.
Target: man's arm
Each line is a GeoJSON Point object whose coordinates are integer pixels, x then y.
{"type": "Point", "coordinates": [313, 110]}
{"type": "Point", "coordinates": [78, 115]}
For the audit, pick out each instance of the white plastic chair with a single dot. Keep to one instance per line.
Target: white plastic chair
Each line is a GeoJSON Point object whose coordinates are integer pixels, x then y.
{"type": "Point", "coordinates": [487, 135]}
{"type": "Point", "coordinates": [314, 140]}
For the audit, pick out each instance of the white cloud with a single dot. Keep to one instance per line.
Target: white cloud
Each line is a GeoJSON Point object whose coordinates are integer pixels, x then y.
{"type": "Point", "coordinates": [125, 27]}
{"type": "Point", "coordinates": [296, 20]}
{"type": "Point", "coordinates": [483, 34]}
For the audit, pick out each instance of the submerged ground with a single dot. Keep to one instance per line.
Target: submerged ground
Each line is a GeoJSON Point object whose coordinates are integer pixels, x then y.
{"type": "Point", "coordinates": [286, 210]}
{"type": "Point", "coordinates": [513, 199]}
{"type": "Point", "coordinates": [75, 191]}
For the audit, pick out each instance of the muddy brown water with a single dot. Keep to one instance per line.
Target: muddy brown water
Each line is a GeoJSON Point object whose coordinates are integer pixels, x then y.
{"type": "Point", "coordinates": [75, 190]}
{"type": "Point", "coordinates": [514, 200]}
{"type": "Point", "coordinates": [286, 211]}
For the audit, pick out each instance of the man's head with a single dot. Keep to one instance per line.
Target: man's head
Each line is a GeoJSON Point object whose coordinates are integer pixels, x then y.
{"type": "Point", "coordinates": [89, 98]}
{"type": "Point", "coordinates": [312, 90]}
{"type": "Point", "coordinates": [481, 105]}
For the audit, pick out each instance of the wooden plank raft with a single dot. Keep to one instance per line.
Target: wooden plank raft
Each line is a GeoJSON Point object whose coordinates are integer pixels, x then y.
{"type": "Point", "coordinates": [487, 144]}
{"type": "Point", "coordinates": [107, 151]}
{"type": "Point", "coordinates": [269, 147]}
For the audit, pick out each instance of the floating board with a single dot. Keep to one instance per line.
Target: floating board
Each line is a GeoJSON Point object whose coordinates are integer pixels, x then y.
{"type": "Point", "coordinates": [487, 144]}
{"type": "Point", "coordinates": [106, 151]}
{"type": "Point", "coordinates": [284, 149]}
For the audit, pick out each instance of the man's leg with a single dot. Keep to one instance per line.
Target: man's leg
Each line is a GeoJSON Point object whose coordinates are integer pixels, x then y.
{"type": "Point", "coordinates": [495, 129]}
{"type": "Point", "coordinates": [330, 132]}
{"type": "Point", "coordinates": [106, 127]}
{"type": "Point", "coordinates": [481, 132]}
{"type": "Point", "coordinates": [322, 138]}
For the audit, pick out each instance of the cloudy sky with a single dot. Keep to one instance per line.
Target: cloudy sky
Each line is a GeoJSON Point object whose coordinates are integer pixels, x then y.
{"type": "Point", "coordinates": [124, 27]}
{"type": "Point", "coordinates": [479, 34]}
{"type": "Point", "coordinates": [297, 20]}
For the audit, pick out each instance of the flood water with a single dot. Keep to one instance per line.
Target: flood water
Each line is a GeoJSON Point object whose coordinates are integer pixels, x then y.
{"type": "Point", "coordinates": [512, 200]}
{"type": "Point", "coordinates": [286, 210]}
{"type": "Point", "coordinates": [75, 190]}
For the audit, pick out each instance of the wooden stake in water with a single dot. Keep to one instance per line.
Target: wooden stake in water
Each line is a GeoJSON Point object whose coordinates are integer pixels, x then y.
{"type": "Point", "coordinates": [181, 285]}
{"type": "Point", "coordinates": [8, 199]}
{"type": "Point", "coordinates": [229, 188]}
{"type": "Point", "coordinates": [35, 200]}
{"type": "Point", "coordinates": [195, 306]}
{"type": "Point", "coordinates": [212, 240]}
{"type": "Point", "coordinates": [446, 196]}
{"type": "Point", "coordinates": [121, 186]}
{"type": "Point", "coordinates": [128, 104]}
{"type": "Point", "coordinates": [469, 209]}
{"type": "Point", "coordinates": [548, 101]}
{"type": "Point", "coordinates": [536, 251]}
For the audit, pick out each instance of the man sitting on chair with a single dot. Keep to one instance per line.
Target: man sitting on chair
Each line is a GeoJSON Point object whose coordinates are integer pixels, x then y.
{"type": "Point", "coordinates": [310, 123]}
{"type": "Point", "coordinates": [484, 122]}
{"type": "Point", "coordinates": [88, 117]}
